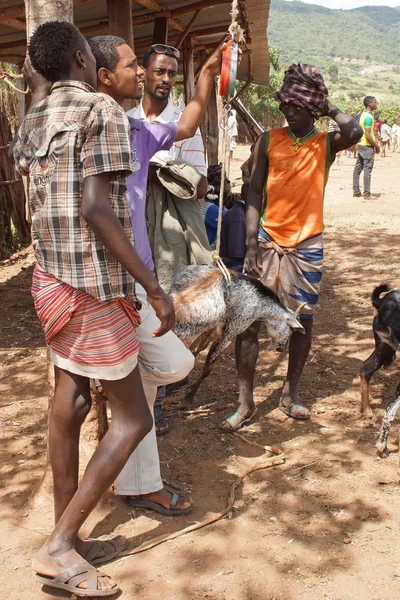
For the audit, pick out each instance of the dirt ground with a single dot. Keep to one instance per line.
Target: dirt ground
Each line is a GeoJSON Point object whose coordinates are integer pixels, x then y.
{"type": "Point", "coordinates": [322, 526]}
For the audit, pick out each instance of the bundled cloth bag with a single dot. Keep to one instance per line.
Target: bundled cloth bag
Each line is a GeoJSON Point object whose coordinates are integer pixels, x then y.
{"type": "Point", "coordinates": [175, 224]}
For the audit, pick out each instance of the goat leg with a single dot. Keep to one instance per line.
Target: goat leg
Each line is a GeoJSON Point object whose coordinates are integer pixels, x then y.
{"type": "Point", "coordinates": [216, 348]}
{"type": "Point", "coordinates": [388, 418]}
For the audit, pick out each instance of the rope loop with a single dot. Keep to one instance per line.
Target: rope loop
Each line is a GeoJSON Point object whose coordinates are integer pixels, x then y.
{"type": "Point", "coordinates": [217, 260]}
{"type": "Point", "coordinates": [4, 76]}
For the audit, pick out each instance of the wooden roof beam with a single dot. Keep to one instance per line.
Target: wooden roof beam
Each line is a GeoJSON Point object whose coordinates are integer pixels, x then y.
{"type": "Point", "coordinates": [183, 10]}
{"type": "Point", "coordinates": [188, 28]}
{"type": "Point", "coordinates": [15, 24]}
{"type": "Point", "coordinates": [142, 19]}
{"type": "Point", "coordinates": [156, 8]}
{"type": "Point", "coordinates": [12, 12]}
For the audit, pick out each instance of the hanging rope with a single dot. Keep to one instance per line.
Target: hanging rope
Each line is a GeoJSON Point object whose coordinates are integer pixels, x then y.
{"type": "Point", "coordinates": [235, 30]}
{"type": "Point", "coordinates": [216, 257]}
{"type": "Point", "coordinates": [4, 76]}
{"type": "Point", "coordinates": [237, 35]}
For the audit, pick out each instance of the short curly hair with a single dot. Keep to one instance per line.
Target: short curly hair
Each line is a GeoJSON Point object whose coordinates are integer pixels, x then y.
{"type": "Point", "coordinates": [51, 48]}
{"type": "Point", "coordinates": [104, 48]}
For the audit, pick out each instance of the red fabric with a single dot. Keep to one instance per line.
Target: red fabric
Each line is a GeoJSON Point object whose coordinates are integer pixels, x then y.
{"type": "Point", "coordinates": [81, 328]}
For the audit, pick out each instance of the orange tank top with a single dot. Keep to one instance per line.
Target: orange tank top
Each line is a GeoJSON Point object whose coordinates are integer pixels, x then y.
{"type": "Point", "coordinates": [295, 186]}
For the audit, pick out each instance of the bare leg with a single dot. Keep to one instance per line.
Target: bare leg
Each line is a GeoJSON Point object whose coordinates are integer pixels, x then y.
{"type": "Point", "coordinates": [246, 352]}
{"type": "Point", "coordinates": [299, 349]}
{"type": "Point", "coordinates": [131, 421]}
{"type": "Point", "coordinates": [69, 409]}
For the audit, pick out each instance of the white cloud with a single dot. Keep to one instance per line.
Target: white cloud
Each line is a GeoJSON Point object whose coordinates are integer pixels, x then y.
{"type": "Point", "coordinates": [347, 4]}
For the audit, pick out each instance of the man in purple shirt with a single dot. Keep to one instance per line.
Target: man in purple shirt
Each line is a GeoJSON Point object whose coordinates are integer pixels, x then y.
{"type": "Point", "coordinates": [162, 360]}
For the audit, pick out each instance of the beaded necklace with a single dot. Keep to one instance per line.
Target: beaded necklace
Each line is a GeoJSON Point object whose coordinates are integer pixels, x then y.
{"type": "Point", "coordinates": [298, 142]}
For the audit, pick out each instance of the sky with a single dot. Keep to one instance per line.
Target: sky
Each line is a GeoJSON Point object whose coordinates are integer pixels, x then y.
{"type": "Point", "coordinates": [352, 3]}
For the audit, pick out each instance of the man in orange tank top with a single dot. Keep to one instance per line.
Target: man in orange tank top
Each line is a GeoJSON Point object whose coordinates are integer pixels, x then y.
{"type": "Point", "coordinates": [284, 223]}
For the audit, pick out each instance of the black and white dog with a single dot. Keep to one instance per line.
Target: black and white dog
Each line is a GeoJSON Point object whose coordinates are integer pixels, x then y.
{"type": "Point", "coordinates": [386, 327]}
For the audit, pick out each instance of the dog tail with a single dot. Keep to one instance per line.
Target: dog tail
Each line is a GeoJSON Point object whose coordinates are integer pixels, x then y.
{"type": "Point", "coordinates": [376, 299]}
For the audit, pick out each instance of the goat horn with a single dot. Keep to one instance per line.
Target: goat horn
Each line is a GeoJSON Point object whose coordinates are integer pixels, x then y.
{"type": "Point", "coordinates": [299, 309]}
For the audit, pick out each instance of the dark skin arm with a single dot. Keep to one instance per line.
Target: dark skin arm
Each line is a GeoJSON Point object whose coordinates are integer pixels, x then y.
{"type": "Point", "coordinates": [350, 130]}
{"type": "Point", "coordinates": [252, 261]}
{"type": "Point", "coordinates": [101, 218]}
{"type": "Point", "coordinates": [374, 143]}
{"type": "Point", "coordinates": [39, 85]}
{"type": "Point", "coordinates": [195, 109]}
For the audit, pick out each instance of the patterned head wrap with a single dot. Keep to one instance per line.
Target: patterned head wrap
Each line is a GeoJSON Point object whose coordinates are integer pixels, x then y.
{"type": "Point", "coordinates": [304, 85]}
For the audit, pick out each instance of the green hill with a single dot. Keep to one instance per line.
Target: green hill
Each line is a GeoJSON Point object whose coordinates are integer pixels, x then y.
{"type": "Point", "coordinates": [306, 32]}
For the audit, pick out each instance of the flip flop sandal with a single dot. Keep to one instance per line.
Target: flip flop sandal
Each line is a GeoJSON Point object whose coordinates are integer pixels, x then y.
{"type": "Point", "coordinates": [172, 511]}
{"type": "Point", "coordinates": [161, 418]}
{"type": "Point", "coordinates": [110, 546]}
{"type": "Point", "coordinates": [235, 422]}
{"type": "Point", "coordinates": [289, 409]}
{"type": "Point", "coordinates": [71, 578]}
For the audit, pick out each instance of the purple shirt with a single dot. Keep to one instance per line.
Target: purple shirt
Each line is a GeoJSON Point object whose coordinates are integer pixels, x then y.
{"type": "Point", "coordinates": [146, 140]}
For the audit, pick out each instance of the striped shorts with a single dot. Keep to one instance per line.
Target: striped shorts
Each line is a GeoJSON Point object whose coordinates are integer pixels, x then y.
{"type": "Point", "coordinates": [294, 274]}
{"type": "Point", "coordinates": [86, 337]}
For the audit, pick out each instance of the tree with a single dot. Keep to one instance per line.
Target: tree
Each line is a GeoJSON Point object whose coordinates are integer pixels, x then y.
{"type": "Point", "coordinates": [334, 73]}
{"type": "Point", "coordinates": [259, 100]}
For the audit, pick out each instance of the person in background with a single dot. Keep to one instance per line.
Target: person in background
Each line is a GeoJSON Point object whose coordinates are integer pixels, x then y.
{"type": "Point", "coordinates": [377, 127]}
{"type": "Point", "coordinates": [161, 65]}
{"type": "Point", "coordinates": [232, 131]}
{"type": "Point", "coordinates": [367, 147]}
{"type": "Point", "coordinates": [247, 166]}
{"type": "Point", "coordinates": [233, 233]}
{"type": "Point", "coordinates": [333, 126]}
{"type": "Point", "coordinates": [386, 133]}
{"type": "Point", "coordinates": [209, 209]}
{"type": "Point", "coordinates": [396, 136]}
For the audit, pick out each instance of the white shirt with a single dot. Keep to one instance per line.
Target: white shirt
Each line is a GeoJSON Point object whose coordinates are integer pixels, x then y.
{"type": "Point", "coordinates": [395, 130]}
{"type": "Point", "coordinates": [190, 150]}
{"type": "Point", "coordinates": [386, 132]}
{"type": "Point", "coordinates": [232, 126]}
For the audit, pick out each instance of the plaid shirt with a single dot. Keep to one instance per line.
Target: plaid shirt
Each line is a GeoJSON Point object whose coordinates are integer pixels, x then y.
{"type": "Point", "coordinates": [72, 134]}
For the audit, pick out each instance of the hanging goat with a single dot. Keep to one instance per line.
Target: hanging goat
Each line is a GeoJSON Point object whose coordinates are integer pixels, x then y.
{"type": "Point", "coordinates": [209, 309]}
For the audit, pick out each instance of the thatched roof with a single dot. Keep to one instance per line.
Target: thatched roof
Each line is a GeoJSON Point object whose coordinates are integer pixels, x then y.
{"type": "Point", "coordinates": [208, 28]}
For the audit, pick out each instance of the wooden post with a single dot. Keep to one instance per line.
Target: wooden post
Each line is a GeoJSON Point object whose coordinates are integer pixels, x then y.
{"type": "Point", "coordinates": [213, 128]}
{"type": "Point", "coordinates": [188, 68]}
{"type": "Point", "coordinates": [160, 31]}
{"type": "Point", "coordinates": [40, 11]}
{"type": "Point", "coordinates": [120, 19]}
{"type": "Point", "coordinates": [119, 14]}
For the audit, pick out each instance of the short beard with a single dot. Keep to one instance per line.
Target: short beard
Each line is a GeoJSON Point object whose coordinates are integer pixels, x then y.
{"type": "Point", "coordinates": [158, 97]}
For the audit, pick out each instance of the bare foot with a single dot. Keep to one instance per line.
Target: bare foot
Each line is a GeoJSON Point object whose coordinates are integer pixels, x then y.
{"type": "Point", "coordinates": [52, 564]}
{"type": "Point", "coordinates": [163, 497]}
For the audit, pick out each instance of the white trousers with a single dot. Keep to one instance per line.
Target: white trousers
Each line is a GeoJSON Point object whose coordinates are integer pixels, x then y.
{"type": "Point", "coordinates": [162, 360]}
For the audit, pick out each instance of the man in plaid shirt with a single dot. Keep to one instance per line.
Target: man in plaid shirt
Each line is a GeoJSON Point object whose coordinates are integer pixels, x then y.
{"type": "Point", "coordinates": [75, 147]}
